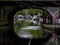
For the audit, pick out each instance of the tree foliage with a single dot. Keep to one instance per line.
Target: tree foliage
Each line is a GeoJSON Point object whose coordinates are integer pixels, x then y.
{"type": "Point", "coordinates": [29, 11]}
{"type": "Point", "coordinates": [45, 13]}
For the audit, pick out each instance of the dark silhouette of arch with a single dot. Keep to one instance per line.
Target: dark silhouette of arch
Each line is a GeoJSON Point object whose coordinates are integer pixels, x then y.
{"type": "Point", "coordinates": [13, 36]}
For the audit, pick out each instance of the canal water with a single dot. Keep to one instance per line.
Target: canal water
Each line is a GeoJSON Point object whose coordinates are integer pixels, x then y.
{"type": "Point", "coordinates": [30, 32]}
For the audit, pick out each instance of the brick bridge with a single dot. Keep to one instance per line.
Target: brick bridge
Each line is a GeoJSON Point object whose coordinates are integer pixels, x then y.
{"type": "Point", "coordinates": [7, 35]}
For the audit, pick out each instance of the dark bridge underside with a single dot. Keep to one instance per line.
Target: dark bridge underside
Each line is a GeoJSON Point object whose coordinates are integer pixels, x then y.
{"type": "Point", "coordinates": [31, 3]}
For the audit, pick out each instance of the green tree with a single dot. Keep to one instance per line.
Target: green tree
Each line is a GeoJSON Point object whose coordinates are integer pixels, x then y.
{"type": "Point", "coordinates": [29, 11]}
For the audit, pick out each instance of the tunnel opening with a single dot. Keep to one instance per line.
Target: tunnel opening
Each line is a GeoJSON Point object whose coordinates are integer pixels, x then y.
{"type": "Point", "coordinates": [26, 21]}
{"type": "Point", "coordinates": [15, 37]}
{"type": "Point", "coordinates": [12, 34]}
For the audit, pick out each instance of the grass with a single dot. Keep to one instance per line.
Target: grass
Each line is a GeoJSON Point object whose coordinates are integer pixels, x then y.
{"type": "Point", "coordinates": [19, 25]}
{"type": "Point", "coordinates": [36, 33]}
